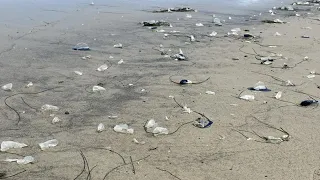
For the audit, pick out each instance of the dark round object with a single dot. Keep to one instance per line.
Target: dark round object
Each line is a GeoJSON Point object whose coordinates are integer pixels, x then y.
{"type": "Point", "coordinates": [307, 102]}
{"type": "Point", "coordinates": [67, 112]}
{"type": "Point", "coordinates": [184, 81]}
{"type": "Point", "coordinates": [247, 35]}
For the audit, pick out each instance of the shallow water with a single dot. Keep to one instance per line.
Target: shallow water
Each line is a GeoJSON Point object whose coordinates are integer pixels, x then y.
{"type": "Point", "coordinates": [216, 5]}
{"type": "Point", "coordinates": [21, 12]}
{"type": "Point", "coordinates": [213, 5]}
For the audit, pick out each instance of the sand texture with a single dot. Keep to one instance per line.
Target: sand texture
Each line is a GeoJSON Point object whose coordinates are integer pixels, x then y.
{"type": "Point", "coordinates": [138, 90]}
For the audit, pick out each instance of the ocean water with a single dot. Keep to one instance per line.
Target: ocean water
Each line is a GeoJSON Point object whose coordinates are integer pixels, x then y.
{"type": "Point", "coordinates": [204, 4]}
{"type": "Point", "coordinates": [22, 12]}
{"type": "Point", "coordinates": [214, 5]}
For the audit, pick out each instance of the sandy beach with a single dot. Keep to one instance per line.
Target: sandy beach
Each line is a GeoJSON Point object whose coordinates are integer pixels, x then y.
{"type": "Point", "coordinates": [237, 146]}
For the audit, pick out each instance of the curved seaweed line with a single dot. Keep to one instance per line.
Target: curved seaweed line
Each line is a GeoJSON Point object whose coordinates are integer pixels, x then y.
{"type": "Point", "coordinates": [84, 167]}
{"type": "Point", "coordinates": [13, 175]}
{"type": "Point", "coordinates": [19, 117]}
{"type": "Point", "coordinates": [122, 165]}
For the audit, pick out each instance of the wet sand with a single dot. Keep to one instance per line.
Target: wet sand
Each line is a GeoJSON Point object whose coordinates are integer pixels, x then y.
{"type": "Point", "coordinates": [44, 56]}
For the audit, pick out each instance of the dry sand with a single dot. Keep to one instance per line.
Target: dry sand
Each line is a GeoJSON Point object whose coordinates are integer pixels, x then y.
{"type": "Point", "coordinates": [45, 57]}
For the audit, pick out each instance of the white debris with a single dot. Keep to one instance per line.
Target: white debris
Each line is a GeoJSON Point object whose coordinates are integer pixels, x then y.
{"type": "Point", "coordinates": [199, 24]}
{"type": "Point", "coordinates": [123, 128]}
{"type": "Point", "coordinates": [48, 144]}
{"type": "Point", "coordinates": [221, 137]}
{"type": "Point", "coordinates": [121, 61]}
{"type": "Point", "coordinates": [278, 21]}
{"type": "Point", "coordinates": [236, 30]}
{"type": "Point", "coordinates": [267, 62]}
{"type": "Point", "coordinates": [160, 130]}
{"type": "Point", "coordinates": [167, 118]}
{"type": "Point", "coordinates": [29, 84]}
{"type": "Point", "coordinates": [25, 160]}
{"type": "Point", "coordinates": [306, 58]}
{"type": "Point", "coordinates": [86, 57]}
{"type": "Point", "coordinates": [192, 39]}
{"type": "Point", "coordinates": [102, 67]}
{"type": "Point", "coordinates": [210, 92]}
{"type": "Point", "coordinates": [7, 87]}
{"type": "Point", "coordinates": [217, 22]}
{"type": "Point", "coordinates": [310, 76]}
{"type": "Point", "coordinates": [274, 140]}
{"type": "Point", "coordinates": [160, 31]}
{"type": "Point", "coordinates": [232, 33]}
{"type": "Point", "coordinates": [213, 34]}
{"type": "Point", "coordinates": [48, 107]}
{"type": "Point", "coordinates": [118, 45]}
{"type": "Point", "coordinates": [56, 120]}
{"type": "Point", "coordinates": [267, 58]}
{"type": "Point", "coordinates": [6, 145]}
{"type": "Point", "coordinates": [188, 16]}
{"type": "Point", "coordinates": [186, 109]}
{"type": "Point", "coordinates": [110, 57]}
{"type": "Point", "coordinates": [289, 83]}
{"type": "Point", "coordinates": [156, 130]}
{"type": "Point", "coordinates": [137, 142]}
{"type": "Point", "coordinates": [278, 95]}
{"type": "Point", "coordinates": [100, 127]}
{"type": "Point", "coordinates": [259, 86]}
{"type": "Point", "coordinates": [179, 56]}
{"type": "Point", "coordinates": [277, 34]}
{"type": "Point", "coordinates": [306, 28]}
{"type": "Point", "coordinates": [180, 51]}
{"type": "Point", "coordinates": [78, 73]}
{"type": "Point", "coordinates": [313, 72]}
{"type": "Point", "coordinates": [151, 124]}
{"type": "Point", "coordinates": [247, 97]}
{"type": "Point", "coordinates": [230, 18]}
{"type": "Point", "coordinates": [98, 88]}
